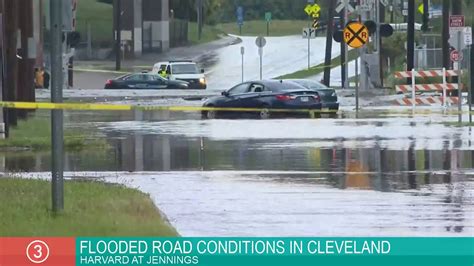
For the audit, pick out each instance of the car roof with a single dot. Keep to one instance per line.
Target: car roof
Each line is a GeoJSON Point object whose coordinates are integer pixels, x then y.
{"type": "Point", "coordinates": [137, 73]}
{"type": "Point", "coordinates": [174, 62]}
{"type": "Point", "coordinates": [277, 84]}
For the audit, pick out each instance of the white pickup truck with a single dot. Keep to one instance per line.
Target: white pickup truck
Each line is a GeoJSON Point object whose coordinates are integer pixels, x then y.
{"type": "Point", "coordinates": [182, 70]}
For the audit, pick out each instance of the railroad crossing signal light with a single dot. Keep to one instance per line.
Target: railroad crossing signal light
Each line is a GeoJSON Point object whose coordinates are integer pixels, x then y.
{"type": "Point", "coordinates": [371, 26]}
{"type": "Point", "coordinates": [386, 30]}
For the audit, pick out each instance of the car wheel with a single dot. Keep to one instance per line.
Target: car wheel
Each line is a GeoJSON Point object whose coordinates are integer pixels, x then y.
{"type": "Point", "coordinates": [264, 113]}
{"type": "Point", "coordinates": [209, 114]}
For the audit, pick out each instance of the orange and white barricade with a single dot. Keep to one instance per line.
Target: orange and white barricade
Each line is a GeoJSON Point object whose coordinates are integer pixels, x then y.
{"type": "Point", "coordinates": [427, 100]}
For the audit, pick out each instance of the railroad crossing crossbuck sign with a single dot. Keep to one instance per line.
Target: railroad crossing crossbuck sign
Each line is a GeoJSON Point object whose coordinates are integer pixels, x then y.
{"type": "Point", "coordinates": [356, 34]}
{"type": "Point", "coordinates": [344, 4]}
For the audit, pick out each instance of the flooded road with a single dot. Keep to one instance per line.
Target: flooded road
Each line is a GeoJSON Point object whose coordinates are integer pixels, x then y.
{"type": "Point", "coordinates": [379, 175]}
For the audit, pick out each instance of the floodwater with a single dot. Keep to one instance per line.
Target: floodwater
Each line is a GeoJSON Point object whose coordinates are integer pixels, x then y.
{"type": "Point", "coordinates": [377, 175]}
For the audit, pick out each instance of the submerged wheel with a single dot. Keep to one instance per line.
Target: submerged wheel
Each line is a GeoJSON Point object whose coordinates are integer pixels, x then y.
{"type": "Point", "coordinates": [264, 113]}
{"type": "Point", "coordinates": [209, 114]}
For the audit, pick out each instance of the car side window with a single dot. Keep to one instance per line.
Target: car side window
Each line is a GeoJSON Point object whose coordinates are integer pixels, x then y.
{"type": "Point", "coordinates": [239, 89]}
{"type": "Point", "coordinates": [155, 78]}
{"type": "Point", "coordinates": [135, 78]}
{"type": "Point", "coordinates": [255, 88]}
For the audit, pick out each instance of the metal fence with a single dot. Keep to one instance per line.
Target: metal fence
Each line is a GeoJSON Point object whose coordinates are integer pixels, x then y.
{"type": "Point", "coordinates": [432, 58]}
{"type": "Point", "coordinates": [429, 58]}
{"type": "Point", "coordinates": [178, 32]}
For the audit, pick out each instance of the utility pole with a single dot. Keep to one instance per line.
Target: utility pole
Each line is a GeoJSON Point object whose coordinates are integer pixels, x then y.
{"type": "Point", "coordinates": [118, 33]}
{"type": "Point", "coordinates": [471, 83]}
{"type": "Point", "coordinates": [411, 36]}
{"type": "Point", "coordinates": [343, 53]}
{"type": "Point", "coordinates": [329, 33]}
{"type": "Point", "coordinates": [26, 91]}
{"type": "Point", "coordinates": [457, 7]}
{"type": "Point", "coordinates": [381, 20]}
{"type": "Point", "coordinates": [445, 35]}
{"type": "Point", "coordinates": [391, 11]}
{"type": "Point", "coordinates": [426, 15]}
{"type": "Point", "coordinates": [57, 138]}
{"type": "Point", "coordinates": [2, 58]}
{"type": "Point", "coordinates": [199, 18]}
{"type": "Point", "coordinates": [11, 61]}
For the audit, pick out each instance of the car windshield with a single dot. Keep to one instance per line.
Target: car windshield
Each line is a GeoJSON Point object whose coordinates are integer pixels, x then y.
{"type": "Point", "coordinates": [185, 69]}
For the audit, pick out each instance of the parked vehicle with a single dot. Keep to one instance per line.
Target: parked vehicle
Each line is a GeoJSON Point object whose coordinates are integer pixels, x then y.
{"type": "Point", "coordinates": [265, 95]}
{"type": "Point", "coordinates": [328, 95]}
{"type": "Point", "coordinates": [144, 81]}
{"type": "Point", "coordinates": [182, 70]}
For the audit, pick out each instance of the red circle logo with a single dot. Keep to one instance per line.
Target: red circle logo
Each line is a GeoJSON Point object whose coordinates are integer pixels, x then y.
{"type": "Point", "coordinates": [37, 251]}
{"type": "Point", "coordinates": [456, 56]}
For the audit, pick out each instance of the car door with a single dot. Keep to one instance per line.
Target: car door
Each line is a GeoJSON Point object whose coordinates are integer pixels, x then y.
{"type": "Point", "coordinates": [157, 82]}
{"type": "Point", "coordinates": [251, 99]}
{"type": "Point", "coordinates": [235, 95]}
{"type": "Point", "coordinates": [136, 81]}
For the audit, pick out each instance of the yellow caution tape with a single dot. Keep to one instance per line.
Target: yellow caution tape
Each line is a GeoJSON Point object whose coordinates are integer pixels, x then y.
{"type": "Point", "coordinates": [126, 107]}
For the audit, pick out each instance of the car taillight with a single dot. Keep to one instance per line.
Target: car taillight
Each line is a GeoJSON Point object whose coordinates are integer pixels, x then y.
{"type": "Point", "coordinates": [109, 82]}
{"type": "Point", "coordinates": [284, 97]}
{"type": "Point", "coordinates": [316, 97]}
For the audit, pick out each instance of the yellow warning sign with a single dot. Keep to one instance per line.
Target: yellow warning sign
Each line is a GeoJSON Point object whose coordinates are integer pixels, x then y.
{"type": "Point", "coordinates": [356, 35]}
{"type": "Point", "coordinates": [421, 9]}
{"type": "Point", "coordinates": [312, 10]}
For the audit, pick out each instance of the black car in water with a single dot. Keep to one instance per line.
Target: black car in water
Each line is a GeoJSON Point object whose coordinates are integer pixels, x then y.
{"type": "Point", "coordinates": [264, 95]}
{"type": "Point", "coordinates": [144, 81]}
{"type": "Point", "coordinates": [328, 96]}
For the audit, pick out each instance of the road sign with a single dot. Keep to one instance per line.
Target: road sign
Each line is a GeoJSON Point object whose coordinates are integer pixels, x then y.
{"type": "Point", "coordinates": [309, 33]}
{"type": "Point", "coordinates": [344, 4]}
{"type": "Point", "coordinates": [268, 16]}
{"type": "Point", "coordinates": [240, 15]}
{"type": "Point", "coordinates": [467, 36]}
{"type": "Point", "coordinates": [260, 41]}
{"type": "Point", "coordinates": [240, 11]}
{"type": "Point", "coordinates": [456, 56]}
{"type": "Point", "coordinates": [366, 5]}
{"type": "Point", "coordinates": [356, 34]}
{"type": "Point", "coordinates": [242, 50]}
{"type": "Point", "coordinates": [456, 22]}
{"type": "Point", "coordinates": [312, 10]}
{"type": "Point", "coordinates": [421, 9]}
{"type": "Point", "coordinates": [405, 12]}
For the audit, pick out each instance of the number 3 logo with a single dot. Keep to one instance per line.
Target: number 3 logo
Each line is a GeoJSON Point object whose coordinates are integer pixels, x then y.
{"type": "Point", "coordinates": [37, 251]}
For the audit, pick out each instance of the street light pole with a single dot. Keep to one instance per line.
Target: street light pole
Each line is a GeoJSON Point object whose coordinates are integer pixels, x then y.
{"type": "Point", "coordinates": [118, 33]}
{"type": "Point", "coordinates": [57, 178]}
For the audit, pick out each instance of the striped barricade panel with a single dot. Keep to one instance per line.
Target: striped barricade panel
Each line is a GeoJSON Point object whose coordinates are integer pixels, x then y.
{"type": "Point", "coordinates": [426, 74]}
{"type": "Point", "coordinates": [426, 101]}
{"type": "Point", "coordinates": [426, 87]}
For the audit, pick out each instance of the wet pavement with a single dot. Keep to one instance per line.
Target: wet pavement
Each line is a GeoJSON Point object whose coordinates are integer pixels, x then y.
{"type": "Point", "coordinates": [222, 62]}
{"type": "Point", "coordinates": [383, 174]}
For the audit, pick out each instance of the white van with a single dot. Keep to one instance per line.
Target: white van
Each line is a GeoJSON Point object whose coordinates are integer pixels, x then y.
{"type": "Point", "coordinates": [182, 70]}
